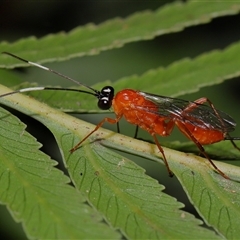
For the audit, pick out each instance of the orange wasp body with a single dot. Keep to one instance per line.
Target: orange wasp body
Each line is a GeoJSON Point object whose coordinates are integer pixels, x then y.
{"type": "Point", "coordinates": [201, 123]}
{"type": "Point", "coordinates": [159, 114]}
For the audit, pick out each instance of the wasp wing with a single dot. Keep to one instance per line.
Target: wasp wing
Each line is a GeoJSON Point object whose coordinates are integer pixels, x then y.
{"type": "Point", "coordinates": [200, 115]}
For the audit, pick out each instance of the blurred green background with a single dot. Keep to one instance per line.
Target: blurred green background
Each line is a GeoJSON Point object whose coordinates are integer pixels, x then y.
{"type": "Point", "coordinates": [19, 19]}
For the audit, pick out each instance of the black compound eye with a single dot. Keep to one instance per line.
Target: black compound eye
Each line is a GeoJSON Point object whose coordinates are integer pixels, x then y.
{"type": "Point", "coordinates": [104, 104]}
{"type": "Point", "coordinates": [106, 97]}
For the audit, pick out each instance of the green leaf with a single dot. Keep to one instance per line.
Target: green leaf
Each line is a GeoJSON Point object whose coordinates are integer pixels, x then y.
{"type": "Point", "coordinates": [115, 33]}
{"type": "Point", "coordinates": [115, 186]}
{"type": "Point", "coordinates": [37, 194]}
{"type": "Point", "coordinates": [205, 70]}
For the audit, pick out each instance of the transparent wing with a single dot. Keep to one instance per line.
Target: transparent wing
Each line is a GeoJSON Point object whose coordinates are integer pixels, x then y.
{"type": "Point", "coordinates": [202, 115]}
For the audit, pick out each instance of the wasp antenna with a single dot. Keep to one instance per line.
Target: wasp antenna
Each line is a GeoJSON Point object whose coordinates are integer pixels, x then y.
{"type": "Point", "coordinates": [22, 90]}
{"type": "Point", "coordinates": [50, 70]}
{"type": "Point", "coordinates": [31, 89]}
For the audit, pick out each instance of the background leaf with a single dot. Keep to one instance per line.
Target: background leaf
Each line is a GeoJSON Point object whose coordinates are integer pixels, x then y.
{"type": "Point", "coordinates": [206, 70]}
{"type": "Point", "coordinates": [117, 32]}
